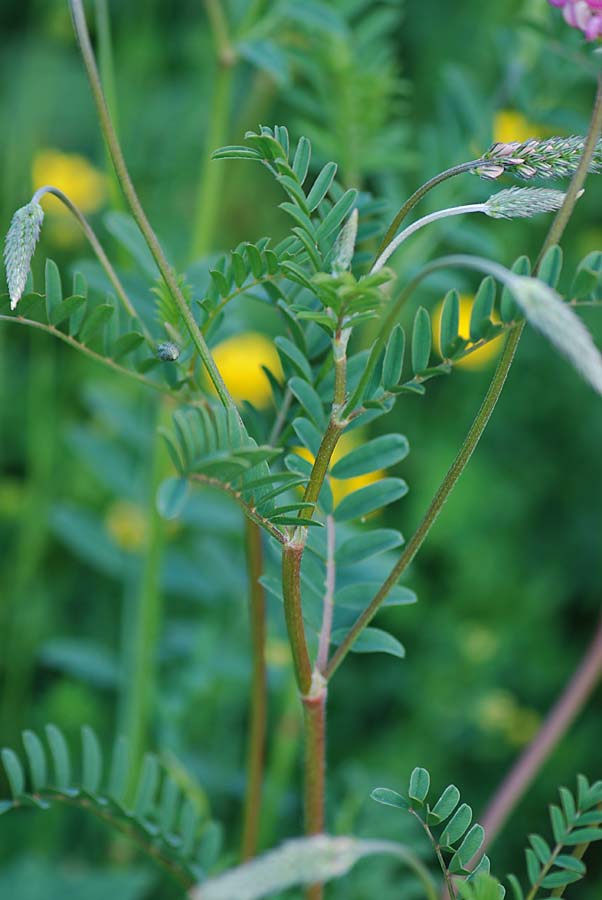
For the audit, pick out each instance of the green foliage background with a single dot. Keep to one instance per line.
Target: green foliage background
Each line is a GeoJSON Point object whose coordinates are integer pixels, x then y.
{"type": "Point", "coordinates": [509, 582]}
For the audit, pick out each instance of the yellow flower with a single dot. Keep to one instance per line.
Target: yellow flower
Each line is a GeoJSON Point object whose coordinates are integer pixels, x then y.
{"type": "Point", "coordinates": [480, 357]}
{"type": "Point", "coordinates": [499, 713]}
{"type": "Point", "coordinates": [340, 487]}
{"type": "Point", "coordinates": [240, 359]}
{"type": "Point", "coordinates": [510, 125]}
{"type": "Point", "coordinates": [74, 175]}
{"type": "Point", "coordinates": [127, 525]}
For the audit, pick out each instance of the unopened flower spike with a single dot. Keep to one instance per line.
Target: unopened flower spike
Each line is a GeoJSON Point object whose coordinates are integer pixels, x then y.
{"type": "Point", "coordinates": [19, 247]}
{"type": "Point", "coordinates": [521, 203]}
{"type": "Point", "coordinates": [344, 246]}
{"type": "Point", "coordinates": [555, 157]}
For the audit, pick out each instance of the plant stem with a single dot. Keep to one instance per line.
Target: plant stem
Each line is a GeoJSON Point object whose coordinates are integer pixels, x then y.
{"type": "Point", "coordinates": [81, 30]}
{"type": "Point", "coordinates": [563, 215]}
{"type": "Point", "coordinates": [212, 177]}
{"type": "Point", "coordinates": [419, 194]}
{"type": "Point", "coordinates": [258, 704]}
{"type": "Point", "coordinates": [328, 603]}
{"type": "Point", "coordinates": [449, 884]}
{"type": "Point", "coordinates": [492, 396]}
{"type": "Point", "coordinates": [421, 223]}
{"type": "Point", "coordinates": [314, 717]}
{"type": "Point", "coordinates": [107, 75]}
{"type": "Point", "coordinates": [83, 348]}
{"type": "Point", "coordinates": [436, 505]}
{"type": "Point", "coordinates": [94, 243]}
{"type": "Point", "coordinates": [293, 613]}
{"type": "Point", "coordinates": [563, 713]}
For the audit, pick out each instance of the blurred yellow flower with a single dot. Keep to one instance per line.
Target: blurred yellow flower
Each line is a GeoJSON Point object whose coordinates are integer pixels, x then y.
{"type": "Point", "coordinates": [240, 359]}
{"type": "Point", "coordinates": [126, 524]}
{"type": "Point", "coordinates": [479, 644]}
{"type": "Point", "coordinates": [340, 487]}
{"type": "Point", "coordinates": [74, 175]}
{"type": "Point", "coordinates": [479, 358]}
{"type": "Point", "coordinates": [510, 125]}
{"type": "Point", "coordinates": [499, 713]}
{"type": "Point", "coordinates": [277, 653]}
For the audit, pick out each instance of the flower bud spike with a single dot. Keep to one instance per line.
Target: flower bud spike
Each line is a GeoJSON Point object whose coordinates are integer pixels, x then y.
{"type": "Point", "coordinates": [19, 248]}
{"type": "Point", "coordinates": [555, 157]}
{"type": "Point", "coordinates": [344, 246]}
{"type": "Point", "coordinates": [521, 203]}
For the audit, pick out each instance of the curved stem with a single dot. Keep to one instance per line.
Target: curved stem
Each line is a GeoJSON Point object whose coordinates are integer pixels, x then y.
{"type": "Point", "coordinates": [419, 194]}
{"type": "Point", "coordinates": [420, 223]}
{"type": "Point", "coordinates": [81, 30]}
{"type": "Point", "coordinates": [447, 485]}
{"type": "Point", "coordinates": [258, 704]}
{"type": "Point", "coordinates": [83, 348]}
{"type": "Point", "coordinates": [94, 243]}
{"type": "Point", "coordinates": [559, 719]}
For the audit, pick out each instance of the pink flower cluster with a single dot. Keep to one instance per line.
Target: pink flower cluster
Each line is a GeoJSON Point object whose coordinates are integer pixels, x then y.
{"type": "Point", "coordinates": [583, 14]}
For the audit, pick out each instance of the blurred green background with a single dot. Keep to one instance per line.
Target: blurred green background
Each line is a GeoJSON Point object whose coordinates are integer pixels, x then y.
{"type": "Point", "coordinates": [509, 583]}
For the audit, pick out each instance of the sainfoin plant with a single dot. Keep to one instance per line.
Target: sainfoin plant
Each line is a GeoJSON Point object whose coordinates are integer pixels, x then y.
{"type": "Point", "coordinates": [347, 357]}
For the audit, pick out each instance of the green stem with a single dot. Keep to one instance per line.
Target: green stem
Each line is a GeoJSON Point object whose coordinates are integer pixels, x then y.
{"type": "Point", "coordinates": [293, 613]}
{"type": "Point", "coordinates": [449, 884]}
{"type": "Point", "coordinates": [211, 182]}
{"type": "Point", "coordinates": [143, 619]}
{"type": "Point", "coordinates": [561, 220]}
{"type": "Point", "coordinates": [97, 357]}
{"type": "Point", "coordinates": [81, 30]}
{"type": "Point", "coordinates": [493, 393]}
{"type": "Point", "coordinates": [107, 76]}
{"type": "Point", "coordinates": [94, 243]}
{"type": "Point", "coordinates": [409, 205]}
{"type": "Point", "coordinates": [436, 505]}
{"type": "Point", "coordinates": [258, 705]}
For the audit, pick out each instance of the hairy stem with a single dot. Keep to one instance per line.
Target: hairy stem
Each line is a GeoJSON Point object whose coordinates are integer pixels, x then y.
{"type": "Point", "coordinates": [570, 702]}
{"type": "Point", "coordinates": [561, 220]}
{"type": "Point", "coordinates": [421, 223]}
{"type": "Point", "coordinates": [447, 485]}
{"type": "Point", "coordinates": [81, 30]}
{"type": "Point", "coordinates": [314, 717]}
{"type": "Point", "coordinates": [328, 602]}
{"type": "Point", "coordinates": [94, 243]}
{"type": "Point", "coordinates": [258, 704]}
{"type": "Point", "coordinates": [409, 205]}
{"type": "Point", "coordinates": [492, 396]}
{"type": "Point", "coordinates": [293, 613]}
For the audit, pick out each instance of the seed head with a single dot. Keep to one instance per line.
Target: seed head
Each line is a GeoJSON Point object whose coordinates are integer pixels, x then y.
{"type": "Point", "coordinates": [19, 248]}
{"type": "Point", "coordinates": [344, 246]}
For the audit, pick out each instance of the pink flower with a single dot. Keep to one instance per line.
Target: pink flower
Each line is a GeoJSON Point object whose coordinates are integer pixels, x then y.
{"type": "Point", "coordinates": [583, 14]}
